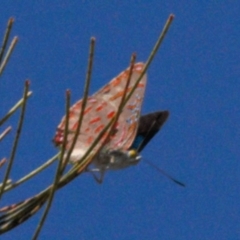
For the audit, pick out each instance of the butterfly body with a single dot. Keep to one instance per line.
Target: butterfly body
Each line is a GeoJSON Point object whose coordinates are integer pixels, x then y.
{"type": "Point", "coordinates": [116, 160]}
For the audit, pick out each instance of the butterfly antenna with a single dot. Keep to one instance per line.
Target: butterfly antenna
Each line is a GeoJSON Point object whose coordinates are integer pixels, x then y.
{"type": "Point", "coordinates": [164, 173]}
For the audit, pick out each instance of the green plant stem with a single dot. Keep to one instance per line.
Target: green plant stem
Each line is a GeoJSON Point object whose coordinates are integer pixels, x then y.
{"type": "Point", "coordinates": [60, 169]}
{"type": "Point", "coordinates": [16, 140]}
{"type": "Point", "coordinates": [31, 174]}
{"type": "Point", "coordinates": [85, 96]}
{"type": "Point", "coordinates": [8, 54]}
{"type": "Point", "coordinates": [5, 132]}
{"type": "Point", "coordinates": [6, 37]}
{"type": "Point", "coordinates": [13, 109]}
{"type": "Point", "coordinates": [28, 208]}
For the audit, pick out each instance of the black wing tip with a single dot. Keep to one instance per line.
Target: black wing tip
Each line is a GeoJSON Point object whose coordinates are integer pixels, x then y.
{"type": "Point", "coordinates": [162, 115]}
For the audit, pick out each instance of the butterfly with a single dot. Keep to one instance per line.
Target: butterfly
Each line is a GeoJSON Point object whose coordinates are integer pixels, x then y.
{"type": "Point", "coordinates": [101, 107]}
{"type": "Point", "coordinates": [148, 126]}
{"type": "Point", "coordinates": [131, 134]}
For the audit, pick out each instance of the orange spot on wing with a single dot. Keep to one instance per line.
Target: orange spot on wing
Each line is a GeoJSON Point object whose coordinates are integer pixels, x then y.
{"type": "Point", "coordinates": [71, 113]}
{"type": "Point", "coordinates": [105, 135]}
{"type": "Point", "coordinates": [124, 75]}
{"type": "Point", "coordinates": [132, 127]}
{"type": "Point", "coordinates": [77, 106]}
{"type": "Point", "coordinates": [99, 128]}
{"type": "Point", "coordinates": [111, 114]}
{"type": "Point", "coordinates": [90, 140]}
{"type": "Point", "coordinates": [106, 89]}
{"type": "Point", "coordinates": [94, 120]}
{"type": "Point", "coordinates": [141, 85]}
{"type": "Point", "coordinates": [119, 94]}
{"type": "Point", "coordinates": [87, 129]}
{"type": "Point", "coordinates": [74, 127]}
{"type": "Point", "coordinates": [131, 107]}
{"type": "Point", "coordinates": [100, 107]}
{"type": "Point", "coordinates": [87, 110]}
{"type": "Point", "coordinates": [116, 81]}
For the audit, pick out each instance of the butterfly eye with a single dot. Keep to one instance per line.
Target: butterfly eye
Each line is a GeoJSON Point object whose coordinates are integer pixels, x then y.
{"type": "Point", "coordinates": [132, 153]}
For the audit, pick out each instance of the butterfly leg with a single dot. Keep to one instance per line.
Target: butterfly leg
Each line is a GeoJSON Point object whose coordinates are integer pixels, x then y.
{"type": "Point", "coordinates": [98, 178]}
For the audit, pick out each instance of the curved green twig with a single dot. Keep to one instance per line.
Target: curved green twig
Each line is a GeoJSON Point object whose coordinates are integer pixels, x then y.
{"type": "Point", "coordinates": [8, 54]}
{"type": "Point", "coordinates": [5, 132]}
{"type": "Point", "coordinates": [60, 169]}
{"type": "Point", "coordinates": [31, 174]}
{"type": "Point", "coordinates": [2, 162]}
{"type": "Point", "coordinates": [13, 109]}
{"type": "Point", "coordinates": [152, 54]}
{"type": "Point", "coordinates": [26, 209]}
{"type": "Point", "coordinates": [6, 37]}
{"type": "Point", "coordinates": [15, 144]}
{"type": "Point", "coordinates": [85, 96]}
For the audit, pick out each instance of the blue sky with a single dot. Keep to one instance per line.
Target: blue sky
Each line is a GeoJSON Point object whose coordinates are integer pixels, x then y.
{"type": "Point", "coordinates": [195, 75]}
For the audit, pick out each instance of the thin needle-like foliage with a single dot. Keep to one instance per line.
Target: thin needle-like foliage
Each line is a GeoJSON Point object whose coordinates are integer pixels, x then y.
{"type": "Point", "coordinates": [16, 140]}
{"type": "Point", "coordinates": [59, 172]}
{"type": "Point", "coordinates": [6, 37]}
{"type": "Point", "coordinates": [85, 95]}
{"type": "Point", "coordinates": [14, 109]}
{"type": "Point", "coordinates": [20, 212]}
{"type": "Point", "coordinates": [5, 132]}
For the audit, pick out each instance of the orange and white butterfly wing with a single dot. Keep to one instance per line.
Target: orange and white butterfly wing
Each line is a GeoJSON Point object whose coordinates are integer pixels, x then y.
{"type": "Point", "coordinates": [112, 93]}
{"type": "Point", "coordinates": [93, 123]}
{"type": "Point", "coordinates": [100, 109]}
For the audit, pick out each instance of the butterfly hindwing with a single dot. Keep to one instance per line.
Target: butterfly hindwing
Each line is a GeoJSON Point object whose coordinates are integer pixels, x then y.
{"type": "Point", "coordinates": [149, 125]}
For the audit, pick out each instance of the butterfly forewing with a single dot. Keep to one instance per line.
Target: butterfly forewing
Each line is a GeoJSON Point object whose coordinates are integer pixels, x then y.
{"type": "Point", "coordinates": [100, 109]}
{"type": "Point", "coordinates": [112, 93]}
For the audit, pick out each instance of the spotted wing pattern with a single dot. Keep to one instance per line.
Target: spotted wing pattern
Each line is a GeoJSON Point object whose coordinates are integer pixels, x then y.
{"type": "Point", "coordinates": [149, 125]}
{"type": "Point", "coordinates": [100, 109]}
